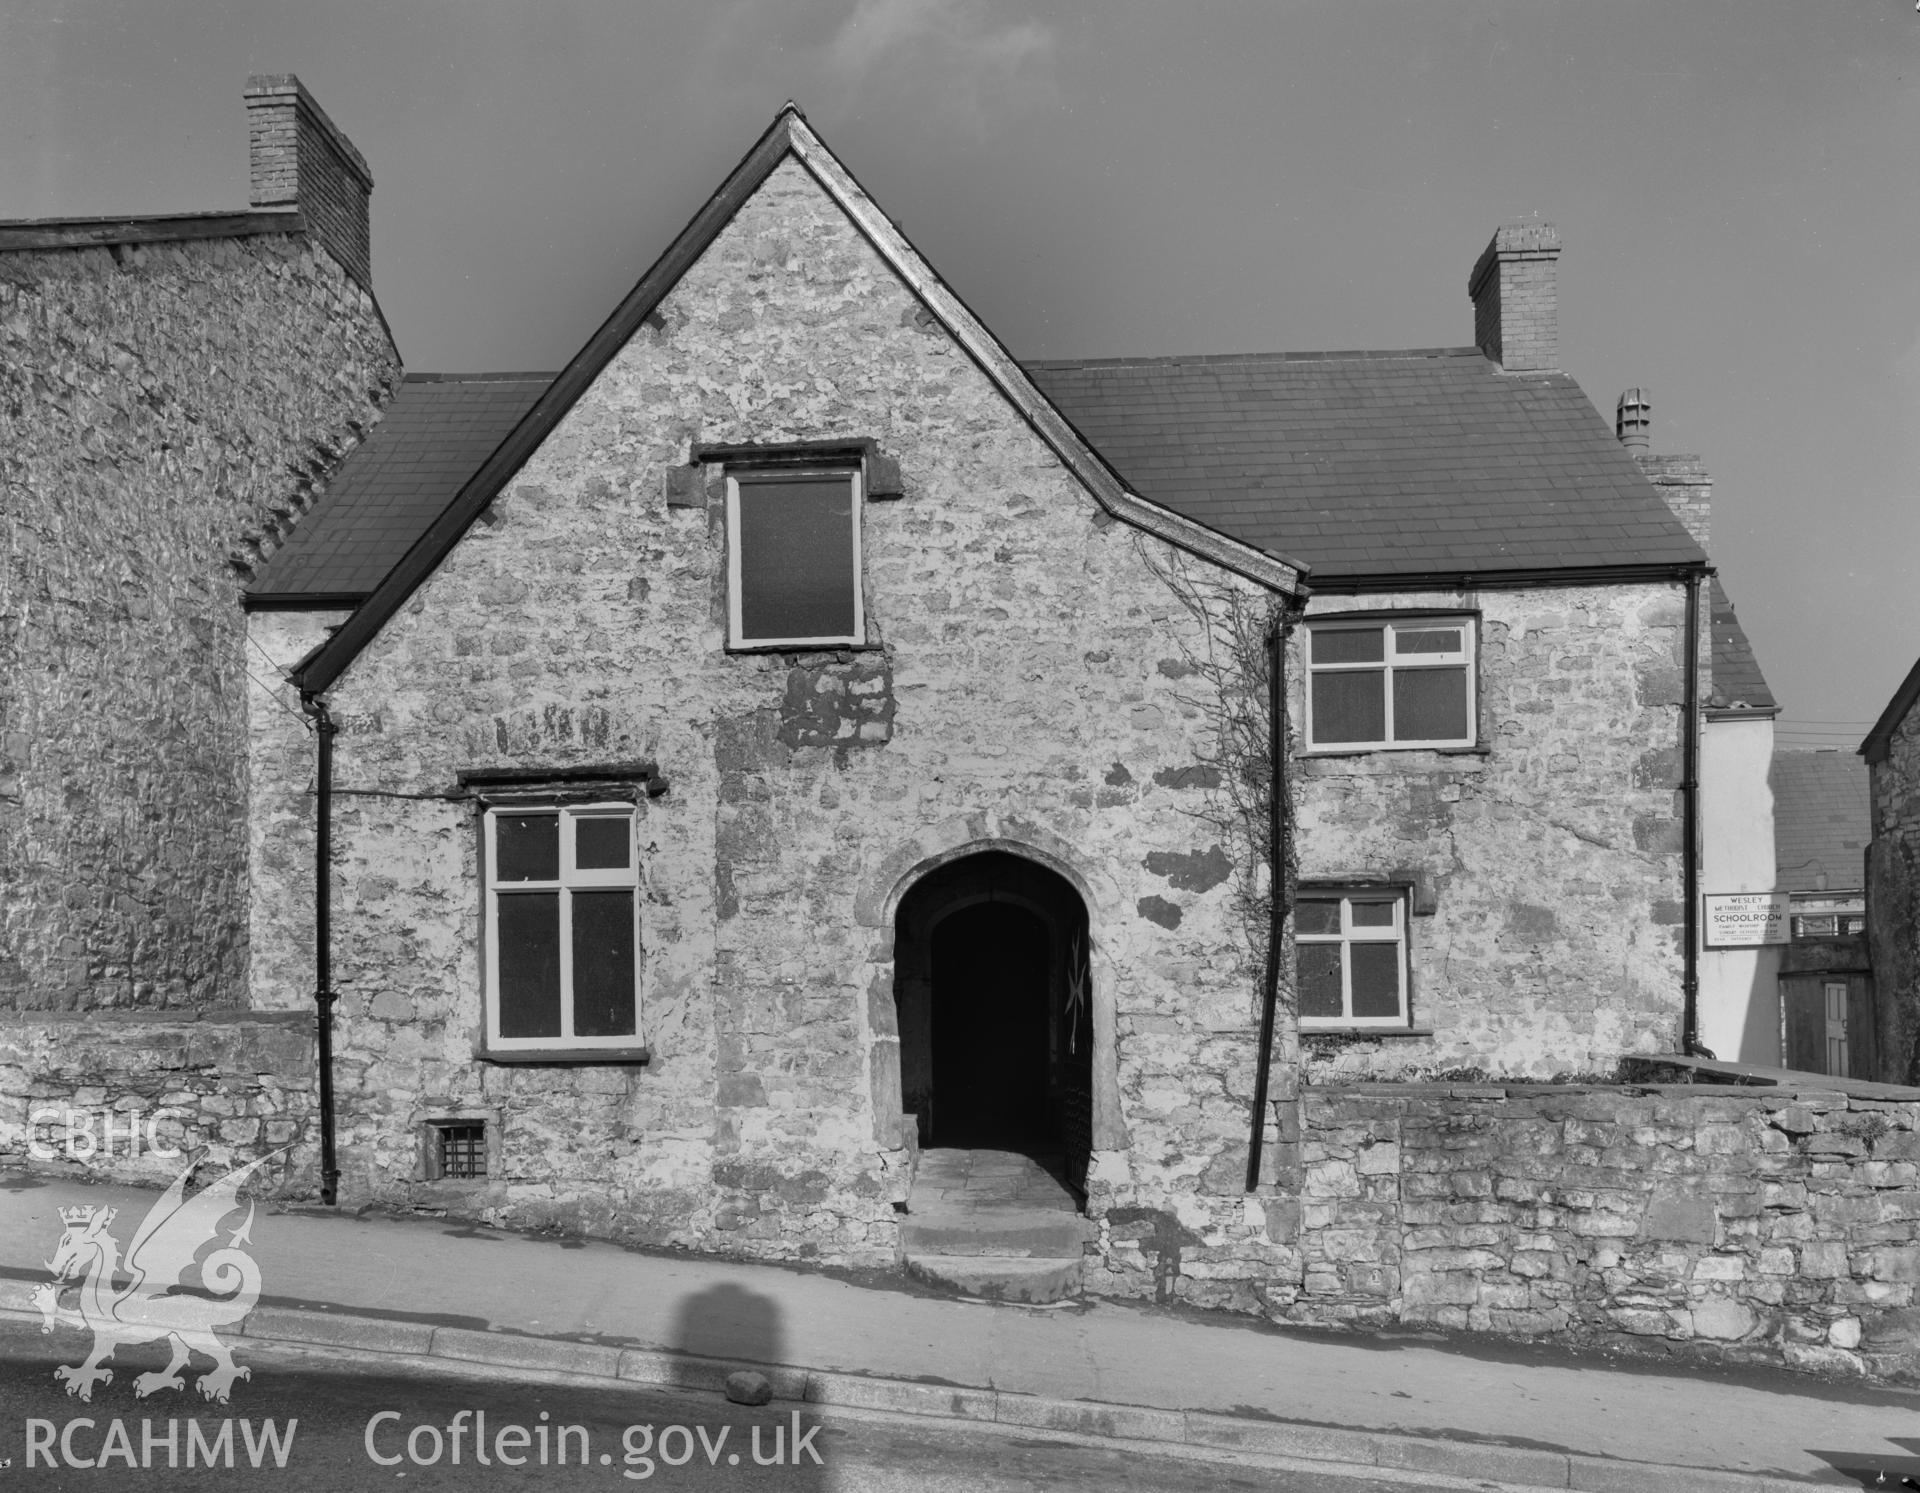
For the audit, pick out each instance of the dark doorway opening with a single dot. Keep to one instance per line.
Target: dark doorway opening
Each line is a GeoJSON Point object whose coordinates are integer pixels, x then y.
{"type": "Point", "coordinates": [990, 1027]}
{"type": "Point", "coordinates": [992, 988]}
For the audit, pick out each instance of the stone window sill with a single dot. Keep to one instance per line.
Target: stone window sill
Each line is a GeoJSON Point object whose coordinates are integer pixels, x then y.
{"type": "Point", "coordinates": [805, 650]}
{"type": "Point", "coordinates": [1321, 754]}
{"type": "Point", "coordinates": [1366, 1032]}
{"type": "Point", "coordinates": [568, 1056]}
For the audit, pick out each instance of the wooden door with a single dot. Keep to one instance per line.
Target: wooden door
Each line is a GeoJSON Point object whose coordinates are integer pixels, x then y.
{"type": "Point", "coordinates": [1825, 1021]}
{"type": "Point", "coordinates": [1835, 994]}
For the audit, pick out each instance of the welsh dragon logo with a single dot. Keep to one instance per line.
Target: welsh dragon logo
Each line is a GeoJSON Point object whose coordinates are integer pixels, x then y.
{"type": "Point", "coordinates": [157, 1265]}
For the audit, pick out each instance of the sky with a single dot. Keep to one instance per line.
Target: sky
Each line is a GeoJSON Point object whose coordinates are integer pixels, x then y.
{"type": "Point", "coordinates": [1732, 181]}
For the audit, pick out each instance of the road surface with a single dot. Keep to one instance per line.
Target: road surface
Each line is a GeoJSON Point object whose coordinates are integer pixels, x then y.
{"type": "Point", "coordinates": [328, 1422]}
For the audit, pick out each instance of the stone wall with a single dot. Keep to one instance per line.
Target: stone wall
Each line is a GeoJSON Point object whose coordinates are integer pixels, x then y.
{"type": "Point", "coordinates": [1545, 864]}
{"type": "Point", "coordinates": [226, 1088]}
{"type": "Point", "coordinates": [164, 411]}
{"type": "Point", "coordinates": [1755, 1224]}
{"type": "Point", "coordinates": [1025, 688]}
{"type": "Point", "coordinates": [282, 759]}
{"type": "Point", "coordinates": [1893, 902]}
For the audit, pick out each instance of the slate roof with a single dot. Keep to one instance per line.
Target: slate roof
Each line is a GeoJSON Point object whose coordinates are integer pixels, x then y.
{"type": "Point", "coordinates": [1369, 464]}
{"type": "Point", "coordinates": [1737, 680]}
{"type": "Point", "coordinates": [436, 431]}
{"type": "Point", "coordinates": [1820, 821]}
{"type": "Point", "coordinates": [1360, 464]}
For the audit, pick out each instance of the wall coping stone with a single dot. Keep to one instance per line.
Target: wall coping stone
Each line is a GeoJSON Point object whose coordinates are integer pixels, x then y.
{"type": "Point", "coordinates": [1753, 1096]}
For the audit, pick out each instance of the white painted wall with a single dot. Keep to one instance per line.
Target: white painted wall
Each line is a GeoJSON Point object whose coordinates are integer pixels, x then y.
{"type": "Point", "coordinates": [1739, 1006]}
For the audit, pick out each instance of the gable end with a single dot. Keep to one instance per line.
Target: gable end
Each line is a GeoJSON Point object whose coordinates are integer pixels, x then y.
{"type": "Point", "coordinates": [787, 135]}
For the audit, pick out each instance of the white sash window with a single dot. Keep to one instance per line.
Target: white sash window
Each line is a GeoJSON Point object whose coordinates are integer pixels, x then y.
{"type": "Point", "coordinates": [1376, 684]}
{"type": "Point", "coordinates": [1351, 958]}
{"type": "Point", "coordinates": [562, 928]}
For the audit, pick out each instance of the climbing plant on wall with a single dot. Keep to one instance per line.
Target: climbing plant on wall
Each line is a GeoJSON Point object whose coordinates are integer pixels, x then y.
{"type": "Point", "coordinates": [1228, 654]}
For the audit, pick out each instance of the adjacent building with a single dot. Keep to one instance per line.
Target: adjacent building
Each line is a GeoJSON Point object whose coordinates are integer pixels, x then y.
{"type": "Point", "coordinates": [173, 392]}
{"type": "Point", "coordinates": [1737, 933]}
{"type": "Point", "coordinates": [1827, 1020]}
{"type": "Point", "coordinates": [1892, 753]}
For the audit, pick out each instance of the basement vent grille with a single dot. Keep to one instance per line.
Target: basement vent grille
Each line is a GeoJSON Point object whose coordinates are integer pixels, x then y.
{"type": "Point", "coordinates": [460, 1148]}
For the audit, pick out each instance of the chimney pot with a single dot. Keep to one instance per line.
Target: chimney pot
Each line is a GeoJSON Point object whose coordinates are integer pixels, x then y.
{"type": "Point", "coordinates": [298, 158]}
{"type": "Point", "coordinates": [1514, 286]}
{"type": "Point", "coordinates": [1633, 419]}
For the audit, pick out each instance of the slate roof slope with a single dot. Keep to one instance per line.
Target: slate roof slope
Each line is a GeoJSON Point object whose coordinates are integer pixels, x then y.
{"type": "Point", "coordinates": [1820, 821]}
{"type": "Point", "coordinates": [1737, 680]}
{"type": "Point", "coordinates": [437, 430]}
{"type": "Point", "coordinates": [1361, 464]}
{"type": "Point", "coordinates": [1375, 464]}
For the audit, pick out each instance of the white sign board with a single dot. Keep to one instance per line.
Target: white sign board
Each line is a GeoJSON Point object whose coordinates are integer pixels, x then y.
{"type": "Point", "coordinates": [1745, 920]}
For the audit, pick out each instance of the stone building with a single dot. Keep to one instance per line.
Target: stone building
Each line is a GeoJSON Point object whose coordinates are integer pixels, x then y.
{"type": "Point", "coordinates": [798, 764]}
{"type": "Point", "coordinates": [172, 391]}
{"type": "Point", "coordinates": [1485, 692]}
{"type": "Point", "coordinates": [969, 729]}
{"type": "Point", "coordinates": [984, 849]}
{"type": "Point", "coordinates": [1892, 751]}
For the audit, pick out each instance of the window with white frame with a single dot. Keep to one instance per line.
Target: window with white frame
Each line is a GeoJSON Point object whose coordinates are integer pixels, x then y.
{"type": "Point", "coordinates": [1351, 957]}
{"type": "Point", "coordinates": [562, 928]}
{"type": "Point", "coordinates": [1405, 682]}
{"type": "Point", "coordinates": [793, 558]}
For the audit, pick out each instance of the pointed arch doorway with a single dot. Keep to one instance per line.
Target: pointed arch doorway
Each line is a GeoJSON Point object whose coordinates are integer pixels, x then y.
{"type": "Point", "coordinates": [992, 992]}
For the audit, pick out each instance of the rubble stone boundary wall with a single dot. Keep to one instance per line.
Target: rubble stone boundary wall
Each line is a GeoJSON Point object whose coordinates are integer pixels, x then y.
{"type": "Point", "coordinates": [229, 1087]}
{"type": "Point", "coordinates": [1726, 1224]}
{"type": "Point", "coordinates": [1733, 1223]}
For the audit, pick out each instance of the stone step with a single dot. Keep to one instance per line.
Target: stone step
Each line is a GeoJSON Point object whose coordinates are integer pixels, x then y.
{"type": "Point", "coordinates": [1032, 1233]}
{"type": "Point", "coordinates": [1001, 1277]}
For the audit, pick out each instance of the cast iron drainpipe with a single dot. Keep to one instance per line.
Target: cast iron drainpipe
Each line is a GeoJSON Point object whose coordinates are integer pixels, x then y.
{"type": "Point", "coordinates": [1690, 1043]}
{"type": "Point", "coordinates": [1276, 882]}
{"type": "Point", "coordinates": [323, 996]}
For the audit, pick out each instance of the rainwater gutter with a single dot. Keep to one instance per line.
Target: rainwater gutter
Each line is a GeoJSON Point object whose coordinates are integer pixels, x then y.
{"type": "Point", "coordinates": [323, 996]}
{"type": "Point", "coordinates": [1277, 901]}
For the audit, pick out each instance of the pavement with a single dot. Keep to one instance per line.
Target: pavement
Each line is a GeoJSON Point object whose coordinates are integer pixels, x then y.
{"type": "Point", "coordinates": [1414, 1403]}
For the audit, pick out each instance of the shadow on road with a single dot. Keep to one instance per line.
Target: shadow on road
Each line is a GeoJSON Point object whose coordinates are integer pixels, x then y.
{"type": "Point", "coordinates": [729, 1321]}
{"type": "Point", "coordinates": [1873, 1470]}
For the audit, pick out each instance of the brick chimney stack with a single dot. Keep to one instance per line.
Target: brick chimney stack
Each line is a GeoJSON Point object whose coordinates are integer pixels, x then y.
{"type": "Point", "coordinates": [299, 159]}
{"type": "Point", "coordinates": [1514, 285]}
{"type": "Point", "coordinates": [1681, 480]}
